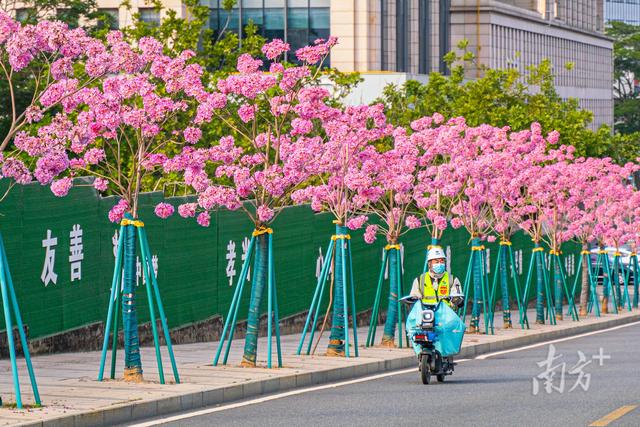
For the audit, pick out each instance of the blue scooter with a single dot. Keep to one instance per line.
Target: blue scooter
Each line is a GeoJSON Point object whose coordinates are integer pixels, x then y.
{"type": "Point", "coordinates": [422, 334]}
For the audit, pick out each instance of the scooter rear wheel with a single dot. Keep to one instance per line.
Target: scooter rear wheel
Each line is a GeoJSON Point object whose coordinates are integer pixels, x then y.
{"type": "Point", "coordinates": [424, 370]}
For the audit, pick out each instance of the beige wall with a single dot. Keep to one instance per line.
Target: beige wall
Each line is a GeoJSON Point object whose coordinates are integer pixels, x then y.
{"type": "Point", "coordinates": [356, 23]}
{"type": "Point", "coordinates": [126, 16]}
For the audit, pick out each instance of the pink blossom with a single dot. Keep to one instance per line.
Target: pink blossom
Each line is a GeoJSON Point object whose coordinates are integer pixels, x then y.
{"type": "Point", "coordinates": [246, 113]}
{"type": "Point", "coordinates": [370, 233]}
{"type": "Point", "coordinates": [164, 210]}
{"type": "Point", "coordinates": [357, 222]}
{"type": "Point", "coordinates": [246, 64]}
{"type": "Point", "coordinates": [117, 212]}
{"type": "Point", "coordinates": [264, 213]}
{"type": "Point", "coordinates": [275, 48]}
{"type": "Point", "coordinates": [192, 135]}
{"type": "Point", "coordinates": [61, 187]}
{"type": "Point", "coordinates": [413, 222]}
{"type": "Point", "coordinates": [100, 184]}
{"type": "Point", "coordinates": [187, 210]}
{"type": "Point", "coordinates": [203, 219]}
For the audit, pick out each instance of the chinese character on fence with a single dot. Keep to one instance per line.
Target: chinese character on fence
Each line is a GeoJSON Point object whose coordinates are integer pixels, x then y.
{"type": "Point", "coordinates": [76, 253]}
{"type": "Point", "coordinates": [154, 264]}
{"type": "Point", "coordinates": [231, 261]}
{"type": "Point", "coordinates": [245, 248]}
{"type": "Point", "coordinates": [139, 272]}
{"type": "Point", "coordinates": [114, 240]}
{"type": "Point", "coordinates": [48, 275]}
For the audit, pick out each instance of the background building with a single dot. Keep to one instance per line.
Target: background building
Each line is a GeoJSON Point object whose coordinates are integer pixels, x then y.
{"type": "Point", "coordinates": [627, 11]}
{"type": "Point", "coordinates": [395, 40]}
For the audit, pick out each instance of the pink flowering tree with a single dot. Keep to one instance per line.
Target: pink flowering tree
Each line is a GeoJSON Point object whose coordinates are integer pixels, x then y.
{"type": "Point", "coordinates": [592, 179]}
{"type": "Point", "coordinates": [537, 207]}
{"type": "Point", "coordinates": [476, 168]}
{"type": "Point", "coordinates": [437, 188]}
{"type": "Point", "coordinates": [511, 161]}
{"type": "Point", "coordinates": [120, 131]}
{"type": "Point", "coordinates": [344, 189]}
{"type": "Point", "coordinates": [274, 120]}
{"type": "Point", "coordinates": [616, 221]}
{"type": "Point", "coordinates": [389, 212]}
{"type": "Point", "coordinates": [45, 64]}
{"type": "Point", "coordinates": [61, 62]}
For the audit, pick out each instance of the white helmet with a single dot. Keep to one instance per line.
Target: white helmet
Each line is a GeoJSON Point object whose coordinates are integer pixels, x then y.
{"type": "Point", "coordinates": [435, 252]}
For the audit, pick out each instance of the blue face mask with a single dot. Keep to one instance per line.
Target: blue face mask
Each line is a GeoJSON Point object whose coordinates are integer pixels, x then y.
{"type": "Point", "coordinates": [438, 268]}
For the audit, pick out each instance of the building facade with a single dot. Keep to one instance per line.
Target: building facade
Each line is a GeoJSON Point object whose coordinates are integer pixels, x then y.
{"type": "Point", "coordinates": [627, 11]}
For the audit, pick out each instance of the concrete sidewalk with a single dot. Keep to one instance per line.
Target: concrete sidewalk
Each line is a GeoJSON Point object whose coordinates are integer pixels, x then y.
{"type": "Point", "coordinates": [72, 396]}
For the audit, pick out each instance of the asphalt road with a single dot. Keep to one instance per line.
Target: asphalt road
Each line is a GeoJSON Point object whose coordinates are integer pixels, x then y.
{"type": "Point", "coordinates": [497, 391]}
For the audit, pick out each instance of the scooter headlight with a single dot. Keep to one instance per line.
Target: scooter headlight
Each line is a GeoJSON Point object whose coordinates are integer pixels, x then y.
{"type": "Point", "coordinates": [428, 318]}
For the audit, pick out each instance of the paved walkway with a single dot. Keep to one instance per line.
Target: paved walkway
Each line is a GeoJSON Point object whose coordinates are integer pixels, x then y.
{"type": "Point", "coordinates": [72, 396]}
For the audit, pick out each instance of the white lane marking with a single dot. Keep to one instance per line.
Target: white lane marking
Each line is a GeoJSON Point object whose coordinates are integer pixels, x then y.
{"type": "Point", "coordinates": [274, 397]}
{"type": "Point", "coordinates": [343, 383]}
{"type": "Point", "coordinates": [586, 334]}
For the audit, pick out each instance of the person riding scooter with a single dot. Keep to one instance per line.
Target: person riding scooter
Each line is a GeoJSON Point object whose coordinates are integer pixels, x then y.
{"type": "Point", "coordinates": [436, 284]}
{"type": "Point", "coordinates": [434, 329]}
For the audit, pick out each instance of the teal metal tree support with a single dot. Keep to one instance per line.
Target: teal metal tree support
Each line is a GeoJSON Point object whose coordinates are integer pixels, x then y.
{"type": "Point", "coordinates": [506, 265]}
{"type": "Point", "coordinates": [124, 270]}
{"type": "Point", "coordinates": [607, 282]}
{"type": "Point", "coordinates": [561, 288]}
{"type": "Point", "coordinates": [591, 281]}
{"type": "Point", "coordinates": [10, 303]}
{"type": "Point", "coordinates": [261, 245]}
{"type": "Point", "coordinates": [621, 275]}
{"type": "Point", "coordinates": [543, 291]}
{"type": "Point", "coordinates": [391, 258]}
{"type": "Point", "coordinates": [338, 254]}
{"type": "Point", "coordinates": [477, 277]}
{"type": "Point", "coordinates": [435, 243]}
{"type": "Point", "coordinates": [634, 267]}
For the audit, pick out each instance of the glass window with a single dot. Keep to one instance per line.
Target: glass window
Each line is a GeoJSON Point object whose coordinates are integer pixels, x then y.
{"type": "Point", "coordinates": [111, 18]}
{"type": "Point", "coordinates": [319, 17]}
{"type": "Point", "coordinates": [274, 3]}
{"type": "Point", "coordinates": [214, 19]}
{"type": "Point", "coordinates": [320, 3]}
{"type": "Point", "coordinates": [318, 24]}
{"type": "Point", "coordinates": [255, 16]}
{"type": "Point", "coordinates": [274, 23]}
{"type": "Point", "coordinates": [149, 15]}
{"type": "Point", "coordinates": [68, 16]}
{"type": "Point", "coordinates": [298, 27]}
{"type": "Point", "coordinates": [23, 14]}
{"type": "Point", "coordinates": [298, 18]}
{"type": "Point", "coordinates": [232, 17]}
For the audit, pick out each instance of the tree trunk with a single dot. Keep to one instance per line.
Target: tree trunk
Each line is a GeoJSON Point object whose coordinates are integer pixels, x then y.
{"type": "Point", "coordinates": [539, 287]}
{"type": "Point", "coordinates": [132, 362]}
{"type": "Point", "coordinates": [504, 287]}
{"type": "Point", "coordinates": [585, 290]}
{"type": "Point", "coordinates": [260, 271]}
{"type": "Point", "coordinates": [336, 339]}
{"type": "Point", "coordinates": [474, 325]}
{"type": "Point", "coordinates": [392, 309]}
{"type": "Point", "coordinates": [558, 283]}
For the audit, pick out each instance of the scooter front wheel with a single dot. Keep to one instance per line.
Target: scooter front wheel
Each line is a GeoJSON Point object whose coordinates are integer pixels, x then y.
{"type": "Point", "coordinates": [425, 373]}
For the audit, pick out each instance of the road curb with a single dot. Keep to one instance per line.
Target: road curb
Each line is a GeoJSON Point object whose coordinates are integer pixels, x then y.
{"type": "Point", "coordinates": [149, 409]}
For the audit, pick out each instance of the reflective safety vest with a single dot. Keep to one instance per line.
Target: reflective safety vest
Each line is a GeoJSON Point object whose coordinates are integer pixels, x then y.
{"type": "Point", "coordinates": [429, 295]}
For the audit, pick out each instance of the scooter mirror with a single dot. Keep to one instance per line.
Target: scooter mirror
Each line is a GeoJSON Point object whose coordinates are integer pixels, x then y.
{"type": "Point", "coordinates": [408, 301]}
